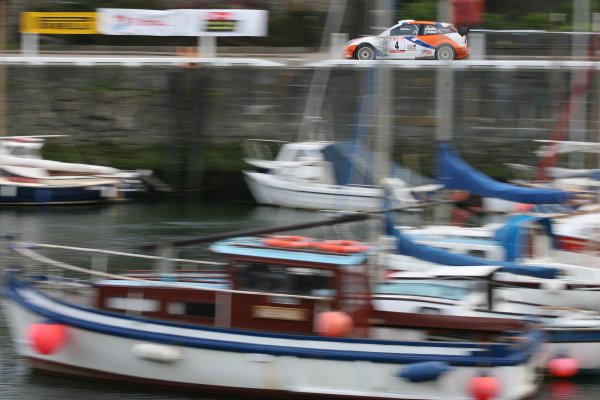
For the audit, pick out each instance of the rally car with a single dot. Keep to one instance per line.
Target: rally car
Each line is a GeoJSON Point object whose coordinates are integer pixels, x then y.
{"type": "Point", "coordinates": [410, 39]}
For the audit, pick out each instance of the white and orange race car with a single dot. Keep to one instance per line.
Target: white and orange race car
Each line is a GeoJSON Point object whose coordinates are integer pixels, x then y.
{"type": "Point", "coordinates": [410, 39]}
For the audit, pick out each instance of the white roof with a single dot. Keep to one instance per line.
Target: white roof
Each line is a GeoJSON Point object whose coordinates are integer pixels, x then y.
{"type": "Point", "coordinates": [476, 271]}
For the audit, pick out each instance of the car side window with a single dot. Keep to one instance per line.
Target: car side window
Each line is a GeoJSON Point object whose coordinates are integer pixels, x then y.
{"type": "Point", "coordinates": [405, 30]}
{"type": "Point", "coordinates": [431, 30]}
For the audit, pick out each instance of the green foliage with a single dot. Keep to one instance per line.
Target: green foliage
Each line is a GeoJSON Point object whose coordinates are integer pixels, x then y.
{"type": "Point", "coordinates": [496, 21]}
{"type": "Point", "coordinates": [421, 9]}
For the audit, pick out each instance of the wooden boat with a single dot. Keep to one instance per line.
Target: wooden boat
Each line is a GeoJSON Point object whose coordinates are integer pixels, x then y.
{"type": "Point", "coordinates": [283, 317]}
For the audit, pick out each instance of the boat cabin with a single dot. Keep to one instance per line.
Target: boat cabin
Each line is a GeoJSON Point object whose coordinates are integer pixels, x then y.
{"type": "Point", "coordinates": [269, 284]}
{"type": "Point", "coordinates": [293, 285]}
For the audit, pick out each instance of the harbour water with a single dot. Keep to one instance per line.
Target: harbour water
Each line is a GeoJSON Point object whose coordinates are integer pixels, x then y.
{"type": "Point", "coordinates": [128, 226]}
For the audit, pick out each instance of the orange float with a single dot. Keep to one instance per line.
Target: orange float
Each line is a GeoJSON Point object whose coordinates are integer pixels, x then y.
{"type": "Point", "coordinates": [340, 246]}
{"type": "Point", "coordinates": [295, 242]}
{"type": "Point", "coordinates": [333, 323]}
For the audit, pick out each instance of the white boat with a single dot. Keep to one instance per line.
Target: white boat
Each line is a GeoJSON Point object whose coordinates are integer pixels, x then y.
{"type": "Point", "coordinates": [523, 246]}
{"type": "Point", "coordinates": [324, 175]}
{"type": "Point", "coordinates": [286, 317]}
{"type": "Point", "coordinates": [27, 178]}
{"type": "Point", "coordinates": [570, 333]}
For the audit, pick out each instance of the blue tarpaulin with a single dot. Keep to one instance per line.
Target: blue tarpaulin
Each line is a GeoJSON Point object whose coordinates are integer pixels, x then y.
{"type": "Point", "coordinates": [407, 247]}
{"type": "Point", "coordinates": [454, 173]}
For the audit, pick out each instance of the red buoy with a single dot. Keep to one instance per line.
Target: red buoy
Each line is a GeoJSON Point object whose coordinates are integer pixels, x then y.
{"type": "Point", "coordinates": [47, 338]}
{"type": "Point", "coordinates": [333, 323]}
{"type": "Point", "coordinates": [563, 367]}
{"type": "Point", "coordinates": [483, 387]}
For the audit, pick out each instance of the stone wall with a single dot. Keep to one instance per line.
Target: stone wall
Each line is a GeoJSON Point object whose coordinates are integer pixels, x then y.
{"type": "Point", "coordinates": [188, 123]}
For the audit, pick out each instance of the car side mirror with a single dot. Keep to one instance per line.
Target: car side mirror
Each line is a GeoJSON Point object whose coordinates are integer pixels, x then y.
{"type": "Point", "coordinates": [463, 30]}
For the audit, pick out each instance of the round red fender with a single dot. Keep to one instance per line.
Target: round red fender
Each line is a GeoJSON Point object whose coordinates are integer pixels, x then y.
{"type": "Point", "coordinates": [563, 367]}
{"type": "Point", "coordinates": [484, 387]}
{"type": "Point", "coordinates": [47, 338]}
{"type": "Point", "coordinates": [333, 323]}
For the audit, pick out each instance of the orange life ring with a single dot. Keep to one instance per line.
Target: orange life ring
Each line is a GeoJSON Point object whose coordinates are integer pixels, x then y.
{"type": "Point", "coordinates": [341, 246]}
{"type": "Point", "coordinates": [296, 242]}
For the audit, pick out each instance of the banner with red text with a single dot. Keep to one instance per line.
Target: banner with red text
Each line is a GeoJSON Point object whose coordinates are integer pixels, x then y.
{"type": "Point", "coordinates": [209, 22]}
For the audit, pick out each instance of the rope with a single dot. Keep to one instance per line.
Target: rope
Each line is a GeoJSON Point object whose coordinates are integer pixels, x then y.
{"type": "Point", "coordinates": [26, 252]}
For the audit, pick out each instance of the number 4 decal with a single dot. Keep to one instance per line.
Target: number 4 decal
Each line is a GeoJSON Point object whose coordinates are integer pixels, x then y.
{"type": "Point", "coordinates": [397, 46]}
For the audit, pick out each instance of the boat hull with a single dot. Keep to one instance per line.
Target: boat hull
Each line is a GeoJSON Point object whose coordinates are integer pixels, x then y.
{"type": "Point", "coordinates": [106, 345]}
{"type": "Point", "coordinates": [273, 190]}
{"type": "Point", "coordinates": [82, 191]}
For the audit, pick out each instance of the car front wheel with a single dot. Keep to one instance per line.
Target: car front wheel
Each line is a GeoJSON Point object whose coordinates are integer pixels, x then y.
{"type": "Point", "coordinates": [365, 52]}
{"type": "Point", "coordinates": [445, 53]}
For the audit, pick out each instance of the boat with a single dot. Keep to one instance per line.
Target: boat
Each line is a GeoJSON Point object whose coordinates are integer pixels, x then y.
{"type": "Point", "coordinates": [530, 257]}
{"type": "Point", "coordinates": [572, 335]}
{"type": "Point", "coordinates": [27, 178]}
{"type": "Point", "coordinates": [283, 316]}
{"type": "Point", "coordinates": [326, 175]}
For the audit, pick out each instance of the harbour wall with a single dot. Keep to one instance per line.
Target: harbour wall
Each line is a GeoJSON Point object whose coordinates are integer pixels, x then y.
{"type": "Point", "coordinates": [187, 123]}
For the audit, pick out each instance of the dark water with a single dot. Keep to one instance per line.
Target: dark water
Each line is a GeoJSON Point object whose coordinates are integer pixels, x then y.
{"type": "Point", "coordinates": [125, 227]}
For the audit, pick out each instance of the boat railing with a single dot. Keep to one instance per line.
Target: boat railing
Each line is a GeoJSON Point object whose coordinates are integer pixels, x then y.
{"type": "Point", "coordinates": [261, 149]}
{"type": "Point", "coordinates": [98, 268]}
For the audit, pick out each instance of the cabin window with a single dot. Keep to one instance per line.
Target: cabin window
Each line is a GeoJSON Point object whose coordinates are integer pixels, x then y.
{"type": "Point", "coordinates": [280, 279]}
{"type": "Point", "coordinates": [133, 304]}
{"type": "Point", "coordinates": [194, 309]}
{"type": "Point", "coordinates": [477, 253]}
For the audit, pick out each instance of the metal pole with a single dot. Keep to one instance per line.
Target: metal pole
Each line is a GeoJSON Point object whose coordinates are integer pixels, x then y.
{"type": "Point", "coordinates": [579, 51]}
{"type": "Point", "coordinates": [383, 142]}
{"type": "Point", "coordinates": [3, 25]}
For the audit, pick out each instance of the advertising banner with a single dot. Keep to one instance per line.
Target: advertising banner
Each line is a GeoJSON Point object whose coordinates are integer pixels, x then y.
{"type": "Point", "coordinates": [122, 21]}
{"type": "Point", "coordinates": [229, 23]}
{"type": "Point", "coordinates": [210, 22]}
{"type": "Point", "coordinates": [59, 23]}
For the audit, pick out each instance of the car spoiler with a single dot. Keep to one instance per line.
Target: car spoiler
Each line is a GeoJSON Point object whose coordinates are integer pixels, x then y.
{"type": "Point", "coordinates": [463, 30]}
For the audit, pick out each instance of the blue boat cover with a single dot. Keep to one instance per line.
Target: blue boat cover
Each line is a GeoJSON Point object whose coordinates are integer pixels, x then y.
{"type": "Point", "coordinates": [353, 165]}
{"type": "Point", "coordinates": [512, 234]}
{"type": "Point", "coordinates": [424, 371]}
{"type": "Point", "coordinates": [454, 173]}
{"type": "Point", "coordinates": [406, 246]}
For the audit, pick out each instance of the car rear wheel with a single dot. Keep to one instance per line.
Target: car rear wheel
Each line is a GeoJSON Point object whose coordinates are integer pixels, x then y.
{"type": "Point", "coordinates": [365, 52]}
{"type": "Point", "coordinates": [445, 53]}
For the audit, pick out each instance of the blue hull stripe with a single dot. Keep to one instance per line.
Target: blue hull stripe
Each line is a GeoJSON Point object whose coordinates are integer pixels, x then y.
{"type": "Point", "coordinates": [419, 42]}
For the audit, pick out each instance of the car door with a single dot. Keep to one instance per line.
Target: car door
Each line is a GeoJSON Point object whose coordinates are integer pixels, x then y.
{"type": "Point", "coordinates": [399, 44]}
{"type": "Point", "coordinates": [431, 37]}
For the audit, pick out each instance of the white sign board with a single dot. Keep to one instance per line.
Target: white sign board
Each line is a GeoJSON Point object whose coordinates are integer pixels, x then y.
{"type": "Point", "coordinates": [210, 22]}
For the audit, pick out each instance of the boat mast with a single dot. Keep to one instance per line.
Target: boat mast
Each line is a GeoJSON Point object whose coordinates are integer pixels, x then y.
{"type": "Point", "coordinates": [383, 142]}
{"type": "Point", "coordinates": [318, 86]}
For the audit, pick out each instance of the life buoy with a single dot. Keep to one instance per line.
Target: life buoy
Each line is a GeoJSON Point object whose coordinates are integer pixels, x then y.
{"type": "Point", "coordinates": [296, 242]}
{"type": "Point", "coordinates": [340, 246]}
